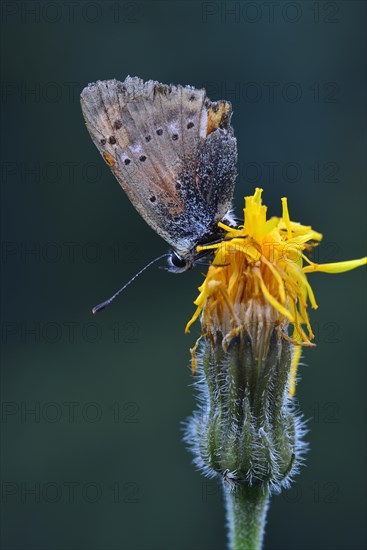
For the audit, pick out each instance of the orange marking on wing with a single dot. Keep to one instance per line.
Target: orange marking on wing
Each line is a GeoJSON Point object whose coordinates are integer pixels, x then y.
{"type": "Point", "coordinates": [216, 113]}
{"type": "Point", "coordinates": [109, 159]}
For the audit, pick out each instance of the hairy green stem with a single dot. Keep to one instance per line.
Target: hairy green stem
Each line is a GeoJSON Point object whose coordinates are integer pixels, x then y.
{"type": "Point", "coordinates": [246, 515]}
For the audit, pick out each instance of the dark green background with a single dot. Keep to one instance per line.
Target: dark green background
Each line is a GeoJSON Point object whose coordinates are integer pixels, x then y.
{"type": "Point", "coordinates": [140, 356]}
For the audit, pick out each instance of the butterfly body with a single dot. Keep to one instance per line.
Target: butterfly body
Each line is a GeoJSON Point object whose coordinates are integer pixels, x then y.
{"type": "Point", "coordinates": [173, 152]}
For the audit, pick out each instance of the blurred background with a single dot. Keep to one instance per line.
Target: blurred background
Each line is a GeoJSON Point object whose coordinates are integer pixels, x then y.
{"type": "Point", "coordinates": [92, 411]}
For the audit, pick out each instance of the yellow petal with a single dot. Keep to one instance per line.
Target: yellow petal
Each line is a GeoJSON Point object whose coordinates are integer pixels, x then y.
{"type": "Point", "coordinates": [193, 319]}
{"type": "Point", "coordinates": [226, 227]}
{"type": "Point", "coordinates": [286, 218]}
{"type": "Point", "coordinates": [273, 301]}
{"type": "Point", "coordinates": [207, 247]}
{"type": "Point", "coordinates": [296, 356]}
{"type": "Point", "coordinates": [268, 227]}
{"type": "Point", "coordinates": [257, 195]}
{"type": "Point", "coordinates": [277, 277]}
{"type": "Point", "coordinates": [337, 267]}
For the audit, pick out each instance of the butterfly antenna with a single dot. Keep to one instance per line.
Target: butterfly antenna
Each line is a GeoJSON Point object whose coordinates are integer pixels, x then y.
{"type": "Point", "coordinates": [106, 303]}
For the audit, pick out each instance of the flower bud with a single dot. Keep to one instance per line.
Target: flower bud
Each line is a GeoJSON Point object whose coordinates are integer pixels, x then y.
{"type": "Point", "coordinates": [245, 429]}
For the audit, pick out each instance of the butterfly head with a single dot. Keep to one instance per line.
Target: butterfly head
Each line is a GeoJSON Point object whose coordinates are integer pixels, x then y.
{"type": "Point", "coordinates": [178, 263]}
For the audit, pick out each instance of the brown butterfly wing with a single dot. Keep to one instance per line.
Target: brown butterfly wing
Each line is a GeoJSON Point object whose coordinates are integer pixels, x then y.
{"type": "Point", "coordinates": [171, 150]}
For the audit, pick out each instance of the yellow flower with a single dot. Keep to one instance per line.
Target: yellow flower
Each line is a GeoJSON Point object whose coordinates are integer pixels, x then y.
{"type": "Point", "coordinates": [258, 281]}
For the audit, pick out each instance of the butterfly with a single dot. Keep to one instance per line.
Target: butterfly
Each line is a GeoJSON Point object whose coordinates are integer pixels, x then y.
{"type": "Point", "coordinates": [174, 154]}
